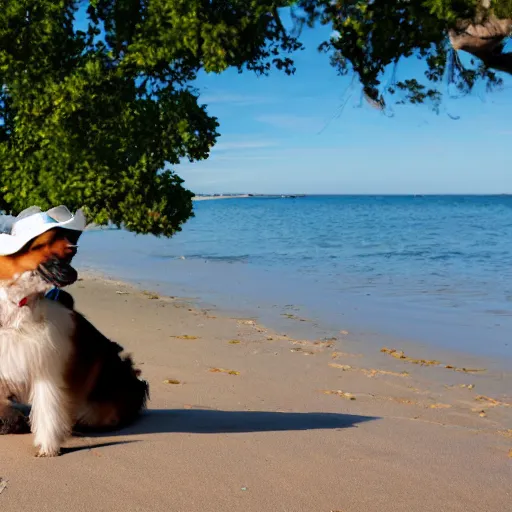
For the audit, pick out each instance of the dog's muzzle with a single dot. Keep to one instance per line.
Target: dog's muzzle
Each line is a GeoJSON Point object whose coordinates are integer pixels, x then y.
{"type": "Point", "coordinates": [58, 273]}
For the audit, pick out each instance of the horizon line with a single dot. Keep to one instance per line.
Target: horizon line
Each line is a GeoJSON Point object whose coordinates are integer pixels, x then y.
{"type": "Point", "coordinates": [391, 194]}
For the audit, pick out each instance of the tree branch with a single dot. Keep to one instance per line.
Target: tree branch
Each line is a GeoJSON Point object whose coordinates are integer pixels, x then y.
{"type": "Point", "coordinates": [484, 41]}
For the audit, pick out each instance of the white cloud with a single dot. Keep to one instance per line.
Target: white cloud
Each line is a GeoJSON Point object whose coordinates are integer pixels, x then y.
{"type": "Point", "coordinates": [292, 122]}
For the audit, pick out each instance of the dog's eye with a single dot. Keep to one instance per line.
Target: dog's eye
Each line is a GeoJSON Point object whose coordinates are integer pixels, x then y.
{"type": "Point", "coordinates": [37, 247]}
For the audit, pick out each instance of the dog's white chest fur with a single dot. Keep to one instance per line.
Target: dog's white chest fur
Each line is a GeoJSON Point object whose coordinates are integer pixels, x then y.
{"type": "Point", "coordinates": [34, 345]}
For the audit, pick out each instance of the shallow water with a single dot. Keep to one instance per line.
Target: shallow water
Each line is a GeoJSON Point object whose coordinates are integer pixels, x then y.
{"type": "Point", "coordinates": [434, 269]}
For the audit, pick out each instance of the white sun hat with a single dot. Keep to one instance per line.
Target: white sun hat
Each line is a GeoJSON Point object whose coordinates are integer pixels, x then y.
{"type": "Point", "coordinates": [33, 222]}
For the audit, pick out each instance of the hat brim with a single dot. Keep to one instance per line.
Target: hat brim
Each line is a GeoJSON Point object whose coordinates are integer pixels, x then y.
{"type": "Point", "coordinates": [10, 244]}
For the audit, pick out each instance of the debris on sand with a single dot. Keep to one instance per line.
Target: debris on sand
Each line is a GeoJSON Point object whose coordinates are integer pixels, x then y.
{"type": "Point", "coordinates": [3, 485]}
{"type": "Point", "coordinates": [491, 402]}
{"type": "Point", "coordinates": [398, 399]}
{"type": "Point", "coordinates": [465, 370]}
{"type": "Point", "coordinates": [324, 344]}
{"type": "Point", "coordinates": [234, 342]}
{"type": "Point", "coordinates": [335, 355]}
{"type": "Point", "coordinates": [171, 381]}
{"type": "Point", "coordinates": [223, 370]}
{"type": "Point", "coordinates": [302, 351]}
{"type": "Point", "coordinates": [343, 367]}
{"type": "Point", "coordinates": [338, 392]}
{"type": "Point", "coordinates": [399, 354]}
{"type": "Point", "coordinates": [372, 372]}
{"type": "Point", "coordinates": [186, 337]}
{"type": "Point", "coordinates": [439, 406]}
{"type": "Point", "coordinates": [247, 322]}
{"type": "Point", "coordinates": [150, 295]}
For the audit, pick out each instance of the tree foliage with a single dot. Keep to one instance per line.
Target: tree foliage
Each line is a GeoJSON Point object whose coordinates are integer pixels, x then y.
{"type": "Point", "coordinates": [97, 103]}
{"type": "Point", "coordinates": [96, 99]}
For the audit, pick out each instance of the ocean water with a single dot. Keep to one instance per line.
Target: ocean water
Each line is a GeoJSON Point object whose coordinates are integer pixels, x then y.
{"type": "Point", "coordinates": [436, 269]}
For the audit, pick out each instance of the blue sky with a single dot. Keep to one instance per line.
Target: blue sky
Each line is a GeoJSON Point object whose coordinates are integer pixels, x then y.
{"type": "Point", "coordinates": [283, 134]}
{"type": "Point", "coordinates": [312, 133]}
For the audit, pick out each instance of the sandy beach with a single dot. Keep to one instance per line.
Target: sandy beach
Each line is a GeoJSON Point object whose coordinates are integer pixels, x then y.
{"type": "Point", "coordinates": [245, 419]}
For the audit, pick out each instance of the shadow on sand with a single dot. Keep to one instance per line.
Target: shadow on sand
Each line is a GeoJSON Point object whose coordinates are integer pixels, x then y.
{"type": "Point", "coordinates": [203, 421]}
{"type": "Point", "coordinates": [86, 447]}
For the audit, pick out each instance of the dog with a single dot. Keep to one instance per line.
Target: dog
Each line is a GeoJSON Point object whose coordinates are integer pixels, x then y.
{"type": "Point", "coordinates": [51, 356]}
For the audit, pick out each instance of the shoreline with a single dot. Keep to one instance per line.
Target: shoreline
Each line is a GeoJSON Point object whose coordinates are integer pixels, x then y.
{"type": "Point", "coordinates": [295, 321]}
{"type": "Point", "coordinates": [236, 282]}
{"type": "Point", "coordinates": [291, 324]}
{"type": "Point", "coordinates": [260, 420]}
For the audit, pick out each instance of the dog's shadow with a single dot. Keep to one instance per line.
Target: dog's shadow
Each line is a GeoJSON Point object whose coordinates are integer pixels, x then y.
{"type": "Point", "coordinates": [207, 421]}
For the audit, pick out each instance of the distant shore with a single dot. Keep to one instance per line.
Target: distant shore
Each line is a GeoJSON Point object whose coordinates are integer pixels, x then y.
{"type": "Point", "coordinates": [209, 198]}
{"type": "Point", "coordinates": [242, 196]}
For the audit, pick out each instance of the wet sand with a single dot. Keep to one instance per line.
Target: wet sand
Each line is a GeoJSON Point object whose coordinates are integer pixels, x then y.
{"type": "Point", "coordinates": [245, 419]}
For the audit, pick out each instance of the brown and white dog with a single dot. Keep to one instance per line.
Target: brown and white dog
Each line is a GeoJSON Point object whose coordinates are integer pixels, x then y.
{"type": "Point", "coordinates": [54, 359]}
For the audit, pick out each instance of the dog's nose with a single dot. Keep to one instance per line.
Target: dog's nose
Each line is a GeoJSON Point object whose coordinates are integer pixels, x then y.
{"type": "Point", "coordinates": [58, 273]}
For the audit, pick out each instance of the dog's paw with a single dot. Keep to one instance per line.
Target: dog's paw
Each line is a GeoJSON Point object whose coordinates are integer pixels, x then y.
{"type": "Point", "coordinates": [47, 453]}
{"type": "Point", "coordinates": [47, 449]}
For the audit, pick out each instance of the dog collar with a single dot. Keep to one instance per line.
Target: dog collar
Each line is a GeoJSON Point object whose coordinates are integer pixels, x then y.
{"type": "Point", "coordinates": [53, 294]}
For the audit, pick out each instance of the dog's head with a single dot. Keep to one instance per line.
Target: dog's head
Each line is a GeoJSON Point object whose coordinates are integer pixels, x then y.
{"type": "Point", "coordinates": [48, 256]}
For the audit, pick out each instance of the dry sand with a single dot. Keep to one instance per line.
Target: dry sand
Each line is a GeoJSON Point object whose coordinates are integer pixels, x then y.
{"type": "Point", "coordinates": [270, 438]}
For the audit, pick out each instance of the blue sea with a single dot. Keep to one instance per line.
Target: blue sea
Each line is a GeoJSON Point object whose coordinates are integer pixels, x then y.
{"type": "Point", "coordinates": [432, 269]}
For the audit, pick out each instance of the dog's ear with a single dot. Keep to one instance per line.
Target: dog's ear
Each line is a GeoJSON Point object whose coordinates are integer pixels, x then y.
{"type": "Point", "coordinates": [14, 265]}
{"type": "Point", "coordinates": [33, 254]}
